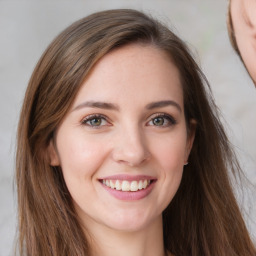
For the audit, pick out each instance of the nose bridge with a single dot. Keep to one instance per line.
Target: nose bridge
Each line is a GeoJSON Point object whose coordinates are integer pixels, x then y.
{"type": "Point", "coordinates": [131, 146]}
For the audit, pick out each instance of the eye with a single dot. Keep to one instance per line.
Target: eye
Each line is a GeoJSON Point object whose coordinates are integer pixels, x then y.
{"type": "Point", "coordinates": [162, 120]}
{"type": "Point", "coordinates": [95, 121]}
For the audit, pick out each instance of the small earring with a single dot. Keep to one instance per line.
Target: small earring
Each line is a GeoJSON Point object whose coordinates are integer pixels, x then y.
{"type": "Point", "coordinates": [186, 163]}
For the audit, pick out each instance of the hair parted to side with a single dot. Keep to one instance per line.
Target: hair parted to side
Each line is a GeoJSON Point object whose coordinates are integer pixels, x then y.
{"type": "Point", "coordinates": [202, 219]}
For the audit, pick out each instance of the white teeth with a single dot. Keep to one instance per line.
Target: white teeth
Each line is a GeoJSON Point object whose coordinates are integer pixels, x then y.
{"type": "Point", "coordinates": [126, 185]}
{"type": "Point", "coordinates": [112, 184]}
{"type": "Point", "coordinates": [134, 186]}
{"type": "Point", "coordinates": [140, 184]}
{"type": "Point", "coordinates": [118, 185]}
{"type": "Point", "coordinates": [145, 183]}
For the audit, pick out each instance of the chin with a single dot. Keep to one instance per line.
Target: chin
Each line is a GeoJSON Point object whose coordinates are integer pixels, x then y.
{"type": "Point", "coordinates": [132, 222]}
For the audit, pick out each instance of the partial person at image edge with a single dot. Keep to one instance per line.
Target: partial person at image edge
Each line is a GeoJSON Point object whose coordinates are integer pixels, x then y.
{"type": "Point", "coordinates": [241, 23]}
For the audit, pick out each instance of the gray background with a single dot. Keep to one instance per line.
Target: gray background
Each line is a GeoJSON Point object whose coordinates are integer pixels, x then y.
{"type": "Point", "coordinates": [27, 27]}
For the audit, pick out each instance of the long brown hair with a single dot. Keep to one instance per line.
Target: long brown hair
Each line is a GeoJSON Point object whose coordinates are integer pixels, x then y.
{"type": "Point", "coordinates": [202, 219]}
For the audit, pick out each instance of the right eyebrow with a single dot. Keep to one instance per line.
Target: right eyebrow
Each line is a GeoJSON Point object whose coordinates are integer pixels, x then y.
{"type": "Point", "coordinates": [164, 103]}
{"type": "Point", "coordinates": [96, 104]}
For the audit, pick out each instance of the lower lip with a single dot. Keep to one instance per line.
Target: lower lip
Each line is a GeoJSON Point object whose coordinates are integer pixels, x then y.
{"type": "Point", "coordinates": [129, 195]}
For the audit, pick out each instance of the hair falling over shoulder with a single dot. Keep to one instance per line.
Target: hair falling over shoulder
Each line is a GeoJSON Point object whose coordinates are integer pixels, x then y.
{"type": "Point", "coordinates": [202, 219]}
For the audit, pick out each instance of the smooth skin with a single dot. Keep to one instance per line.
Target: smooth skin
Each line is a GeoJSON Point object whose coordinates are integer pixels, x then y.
{"type": "Point", "coordinates": [243, 13]}
{"type": "Point", "coordinates": [127, 119]}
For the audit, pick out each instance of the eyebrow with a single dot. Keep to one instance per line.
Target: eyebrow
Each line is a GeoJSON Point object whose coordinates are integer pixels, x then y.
{"type": "Point", "coordinates": [111, 106]}
{"type": "Point", "coordinates": [164, 103]}
{"type": "Point", "coordinates": [97, 104]}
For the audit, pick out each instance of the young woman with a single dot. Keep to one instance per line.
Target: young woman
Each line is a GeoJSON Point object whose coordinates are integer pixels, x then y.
{"type": "Point", "coordinates": [120, 148]}
{"type": "Point", "coordinates": [242, 32]}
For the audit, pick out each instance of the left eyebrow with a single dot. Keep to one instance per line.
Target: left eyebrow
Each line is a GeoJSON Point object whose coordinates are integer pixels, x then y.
{"type": "Point", "coordinates": [97, 104]}
{"type": "Point", "coordinates": [164, 103]}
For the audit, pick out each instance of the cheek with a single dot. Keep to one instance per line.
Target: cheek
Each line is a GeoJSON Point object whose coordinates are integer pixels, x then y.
{"type": "Point", "coordinates": [80, 156]}
{"type": "Point", "coordinates": [80, 159]}
{"type": "Point", "coordinates": [170, 162]}
{"type": "Point", "coordinates": [171, 156]}
{"type": "Point", "coordinates": [171, 151]}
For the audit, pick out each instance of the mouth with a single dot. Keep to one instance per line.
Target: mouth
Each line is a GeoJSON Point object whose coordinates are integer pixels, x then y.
{"type": "Point", "coordinates": [127, 185]}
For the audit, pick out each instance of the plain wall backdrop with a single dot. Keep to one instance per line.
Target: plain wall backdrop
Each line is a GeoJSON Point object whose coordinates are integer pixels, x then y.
{"type": "Point", "coordinates": [26, 29]}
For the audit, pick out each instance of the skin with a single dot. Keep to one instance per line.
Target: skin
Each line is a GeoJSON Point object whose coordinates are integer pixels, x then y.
{"type": "Point", "coordinates": [130, 140]}
{"type": "Point", "coordinates": [243, 13]}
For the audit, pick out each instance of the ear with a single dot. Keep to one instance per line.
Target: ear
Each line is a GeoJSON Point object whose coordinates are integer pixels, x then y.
{"type": "Point", "coordinates": [190, 139]}
{"type": "Point", "coordinates": [53, 155]}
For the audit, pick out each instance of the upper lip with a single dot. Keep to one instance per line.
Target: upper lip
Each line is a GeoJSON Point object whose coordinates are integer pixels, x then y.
{"type": "Point", "coordinates": [128, 177]}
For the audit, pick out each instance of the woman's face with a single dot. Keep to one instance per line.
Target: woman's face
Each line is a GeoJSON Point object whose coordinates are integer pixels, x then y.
{"type": "Point", "coordinates": [124, 142]}
{"type": "Point", "coordinates": [243, 13]}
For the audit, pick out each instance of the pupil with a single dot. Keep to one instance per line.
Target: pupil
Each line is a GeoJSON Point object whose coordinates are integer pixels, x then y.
{"type": "Point", "coordinates": [96, 122]}
{"type": "Point", "coordinates": [158, 121]}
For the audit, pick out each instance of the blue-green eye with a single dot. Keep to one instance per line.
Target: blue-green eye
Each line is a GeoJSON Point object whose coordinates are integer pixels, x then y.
{"type": "Point", "coordinates": [162, 120]}
{"type": "Point", "coordinates": [158, 121]}
{"type": "Point", "coordinates": [95, 121]}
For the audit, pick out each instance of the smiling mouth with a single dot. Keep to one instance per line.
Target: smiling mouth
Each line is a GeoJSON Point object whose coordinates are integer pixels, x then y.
{"type": "Point", "coordinates": [125, 185]}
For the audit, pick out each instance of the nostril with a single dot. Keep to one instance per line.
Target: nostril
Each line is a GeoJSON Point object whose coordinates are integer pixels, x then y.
{"type": "Point", "coordinates": [131, 157]}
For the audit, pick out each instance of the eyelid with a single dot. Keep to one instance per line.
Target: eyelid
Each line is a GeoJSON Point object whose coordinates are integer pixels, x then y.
{"type": "Point", "coordinates": [170, 118]}
{"type": "Point", "coordinates": [94, 116]}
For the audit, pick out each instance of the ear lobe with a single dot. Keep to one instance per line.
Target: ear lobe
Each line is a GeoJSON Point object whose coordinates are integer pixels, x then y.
{"type": "Point", "coordinates": [190, 138]}
{"type": "Point", "coordinates": [53, 155]}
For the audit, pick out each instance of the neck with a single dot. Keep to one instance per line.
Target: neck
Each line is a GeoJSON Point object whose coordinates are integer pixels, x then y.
{"type": "Point", "coordinates": [147, 241]}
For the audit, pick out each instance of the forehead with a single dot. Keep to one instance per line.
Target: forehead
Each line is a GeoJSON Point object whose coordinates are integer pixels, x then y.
{"type": "Point", "coordinates": [133, 72]}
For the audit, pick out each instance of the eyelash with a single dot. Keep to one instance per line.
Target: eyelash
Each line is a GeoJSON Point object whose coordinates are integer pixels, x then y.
{"type": "Point", "coordinates": [170, 120]}
{"type": "Point", "coordinates": [90, 118]}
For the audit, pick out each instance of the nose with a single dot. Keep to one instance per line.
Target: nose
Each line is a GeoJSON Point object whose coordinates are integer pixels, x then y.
{"type": "Point", "coordinates": [131, 148]}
